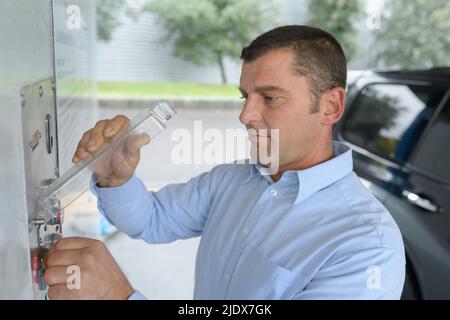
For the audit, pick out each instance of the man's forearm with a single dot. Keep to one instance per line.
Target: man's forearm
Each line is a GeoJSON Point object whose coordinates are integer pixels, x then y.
{"type": "Point", "coordinates": [124, 206]}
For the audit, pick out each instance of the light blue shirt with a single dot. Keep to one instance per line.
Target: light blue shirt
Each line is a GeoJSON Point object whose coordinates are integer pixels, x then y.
{"type": "Point", "coordinates": [317, 233]}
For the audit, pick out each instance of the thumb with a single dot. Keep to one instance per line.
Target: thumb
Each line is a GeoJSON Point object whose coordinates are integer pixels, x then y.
{"type": "Point", "coordinates": [135, 143]}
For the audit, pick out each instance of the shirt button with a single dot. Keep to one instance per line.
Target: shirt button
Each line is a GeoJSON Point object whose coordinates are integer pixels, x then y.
{"type": "Point", "coordinates": [227, 276]}
{"type": "Point", "coordinates": [274, 192]}
{"type": "Point", "coordinates": [246, 231]}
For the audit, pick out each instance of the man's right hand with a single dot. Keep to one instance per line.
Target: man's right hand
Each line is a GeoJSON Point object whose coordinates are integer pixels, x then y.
{"type": "Point", "coordinates": [120, 166]}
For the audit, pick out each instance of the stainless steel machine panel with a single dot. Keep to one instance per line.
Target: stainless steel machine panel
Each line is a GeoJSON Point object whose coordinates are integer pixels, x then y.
{"type": "Point", "coordinates": [25, 58]}
{"type": "Point", "coordinates": [39, 52]}
{"type": "Point", "coordinates": [39, 134]}
{"type": "Point", "coordinates": [37, 103]}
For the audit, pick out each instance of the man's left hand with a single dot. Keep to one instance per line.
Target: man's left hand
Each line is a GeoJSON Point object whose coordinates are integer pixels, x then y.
{"type": "Point", "coordinates": [83, 268]}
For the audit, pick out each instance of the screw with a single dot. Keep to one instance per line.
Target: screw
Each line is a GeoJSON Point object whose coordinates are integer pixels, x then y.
{"type": "Point", "coordinates": [41, 91]}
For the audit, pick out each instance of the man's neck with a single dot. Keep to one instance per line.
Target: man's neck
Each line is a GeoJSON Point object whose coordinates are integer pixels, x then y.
{"type": "Point", "coordinates": [312, 159]}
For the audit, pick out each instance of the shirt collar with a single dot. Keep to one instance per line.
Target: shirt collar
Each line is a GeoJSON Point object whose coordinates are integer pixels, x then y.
{"type": "Point", "coordinates": [326, 173]}
{"type": "Point", "coordinates": [320, 176]}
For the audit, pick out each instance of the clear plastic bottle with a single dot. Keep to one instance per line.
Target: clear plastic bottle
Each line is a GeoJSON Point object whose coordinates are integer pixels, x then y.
{"type": "Point", "coordinates": [72, 184]}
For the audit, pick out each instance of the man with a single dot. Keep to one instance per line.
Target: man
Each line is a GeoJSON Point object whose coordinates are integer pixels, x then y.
{"type": "Point", "coordinates": [309, 231]}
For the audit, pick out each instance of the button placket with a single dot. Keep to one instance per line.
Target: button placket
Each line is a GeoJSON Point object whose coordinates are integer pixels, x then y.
{"type": "Point", "coordinates": [249, 224]}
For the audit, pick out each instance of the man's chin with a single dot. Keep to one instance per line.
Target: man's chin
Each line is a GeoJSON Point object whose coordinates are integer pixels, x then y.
{"type": "Point", "coordinates": [265, 162]}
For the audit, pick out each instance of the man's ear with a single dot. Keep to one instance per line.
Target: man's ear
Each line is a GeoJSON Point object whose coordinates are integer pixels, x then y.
{"type": "Point", "coordinates": [333, 105]}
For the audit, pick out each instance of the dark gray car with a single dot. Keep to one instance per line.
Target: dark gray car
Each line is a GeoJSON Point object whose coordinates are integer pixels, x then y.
{"type": "Point", "coordinates": [398, 125]}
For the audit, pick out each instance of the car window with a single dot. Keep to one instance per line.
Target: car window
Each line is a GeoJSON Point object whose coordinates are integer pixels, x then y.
{"type": "Point", "coordinates": [433, 153]}
{"type": "Point", "coordinates": [388, 119]}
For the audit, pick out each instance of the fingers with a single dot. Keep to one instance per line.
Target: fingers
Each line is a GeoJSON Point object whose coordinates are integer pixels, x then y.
{"type": "Point", "coordinates": [56, 275]}
{"type": "Point", "coordinates": [58, 292]}
{"type": "Point", "coordinates": [136, 142]}
{"type": "Point", "coordinates": [114, 125]}
{"type": "Point", "coordinates": [91, 141]}
{"type": "Point", "coordinates": [75, 243]}
{"type": "Point", "coordinates": [94, 138]}
{"type": "Point", "coordinates": [81, 152]}
{"type": "Point", "coordinates": [62, 258]}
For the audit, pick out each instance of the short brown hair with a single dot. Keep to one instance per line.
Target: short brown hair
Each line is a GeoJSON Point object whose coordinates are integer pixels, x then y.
{"type": "Point", "coordinates": [318, 56]}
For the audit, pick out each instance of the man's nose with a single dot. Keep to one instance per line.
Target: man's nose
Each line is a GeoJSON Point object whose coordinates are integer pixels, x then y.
{"type": "Point", "coordinates": [250, 112]}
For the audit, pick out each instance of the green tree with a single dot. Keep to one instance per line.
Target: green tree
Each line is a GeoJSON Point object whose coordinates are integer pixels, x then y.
{"type": "Point", "coordinates": [206, 31]}
{"type": "Point", "coordinates": [413, 34]}
{"type": "Point", "coordinates": [338, 17]}
{"type": "Point", "coordinates": [108, 19]}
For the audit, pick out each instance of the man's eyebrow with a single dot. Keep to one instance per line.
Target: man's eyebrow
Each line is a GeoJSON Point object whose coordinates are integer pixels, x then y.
{"type": "Point", "coordinates": [270, 88]}
{"type": "Point", "coordinates": [265, 89]}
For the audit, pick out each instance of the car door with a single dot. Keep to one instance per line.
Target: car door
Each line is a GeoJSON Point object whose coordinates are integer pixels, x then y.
{"type": "Point", "coordinates": [422, 208]}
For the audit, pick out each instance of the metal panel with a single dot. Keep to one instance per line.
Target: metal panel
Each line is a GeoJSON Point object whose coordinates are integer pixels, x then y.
{"type": "Point", "coordinates": [25, 57]}
{"type": "Point", "coordinates": [40, 156]}
{"type": "Point", "coordinates": [38, 125]}
{"type": "Point", "coordinates": [29, 156]}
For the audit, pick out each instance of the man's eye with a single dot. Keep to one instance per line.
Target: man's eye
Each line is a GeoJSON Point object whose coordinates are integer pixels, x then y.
{"type": "Point", "coordinates": [271, 99]}
{"type": "Point", "coordinates": [243, 97]}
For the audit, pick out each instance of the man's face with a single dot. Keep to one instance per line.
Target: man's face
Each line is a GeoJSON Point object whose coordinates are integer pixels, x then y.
{"type": "Point", "coordinates": [277, 98]}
